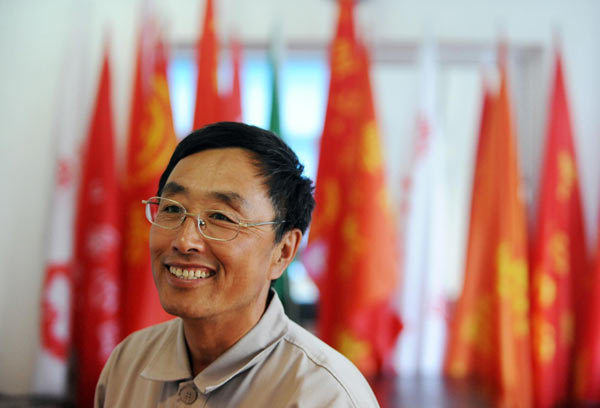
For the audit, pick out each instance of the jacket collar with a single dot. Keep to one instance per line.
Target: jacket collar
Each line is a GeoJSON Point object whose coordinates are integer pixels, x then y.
{"type": "Point", "coordinates": [171, 362]}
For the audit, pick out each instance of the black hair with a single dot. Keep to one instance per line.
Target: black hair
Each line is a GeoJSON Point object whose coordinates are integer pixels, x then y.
{"type": "Point", "coordinates": [291, 193]}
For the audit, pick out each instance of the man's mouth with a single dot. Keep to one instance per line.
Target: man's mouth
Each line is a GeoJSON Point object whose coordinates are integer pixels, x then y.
{"type": "Point", "coordinates": [190, 273]}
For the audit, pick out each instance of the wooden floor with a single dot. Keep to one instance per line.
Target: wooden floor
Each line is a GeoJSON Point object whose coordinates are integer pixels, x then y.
{"type": "Point", "coordinates": [391, 391]}
{"type": "Point", "coordinates": [396, 392]}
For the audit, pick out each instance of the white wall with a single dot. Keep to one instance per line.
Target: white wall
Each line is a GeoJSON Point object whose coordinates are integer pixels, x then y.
{"type": "Point", "coordinates": [34, 35]}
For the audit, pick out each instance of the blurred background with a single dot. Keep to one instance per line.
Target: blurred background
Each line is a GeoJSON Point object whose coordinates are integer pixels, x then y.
{"type": "Point", "coordinates": [40, 40]}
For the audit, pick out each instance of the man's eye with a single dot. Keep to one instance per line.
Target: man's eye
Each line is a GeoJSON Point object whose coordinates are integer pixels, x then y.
{"type": "Point", "coordinates": [172, 209]}
{"type": "Point", "coordinates": [219, 216]}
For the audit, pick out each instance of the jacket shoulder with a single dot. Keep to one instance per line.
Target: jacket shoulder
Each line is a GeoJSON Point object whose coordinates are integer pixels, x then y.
{"type": "Point", "coordinates": [329, 368]}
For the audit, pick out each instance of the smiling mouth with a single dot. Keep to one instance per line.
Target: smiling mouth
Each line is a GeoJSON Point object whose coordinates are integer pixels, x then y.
{"type": "Point", "coordinates": [190, 273]}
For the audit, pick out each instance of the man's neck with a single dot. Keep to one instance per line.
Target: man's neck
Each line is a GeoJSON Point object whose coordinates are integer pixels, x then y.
{"type": "Point", "coordinates": [209, 338]}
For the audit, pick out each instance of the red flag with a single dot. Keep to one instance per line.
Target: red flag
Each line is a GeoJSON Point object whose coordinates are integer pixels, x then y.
{"type": "Point", "coordinates": [231, 103]}
{"type": "Point", "coordinates": [151, 143]}
{"type": "Point", "coordinates": [96, 326]}
{"type": "Point", "coordinates": [559, 257]}
{"type": "Point", "coordinates": [469, 353]}
{"type": "Point", "coordinates": [587, 376]}
{"type": "Point", "coordinates": [489, 337]}
{"type": "Point", "coordinates": [207, 90]}
{"type": "Point", "coordinates": [351, 252]}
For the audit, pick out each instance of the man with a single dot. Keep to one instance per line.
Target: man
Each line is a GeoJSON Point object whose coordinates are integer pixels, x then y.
{"type": "Point", "coordinates": [228, 218]}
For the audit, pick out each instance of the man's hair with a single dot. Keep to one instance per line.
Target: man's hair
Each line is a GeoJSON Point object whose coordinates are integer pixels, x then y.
{"type": "Point", "coordinates": [291, 193]}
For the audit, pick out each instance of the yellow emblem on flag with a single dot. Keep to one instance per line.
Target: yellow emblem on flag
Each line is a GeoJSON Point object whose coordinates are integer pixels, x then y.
{"type": "Point", "coordinates": [545, 288]}
{"type": "Point", "coordinates": [155, 154]}
{"type": "Point", "coordinates": [344, 62]}
{"type": "Point", "coordinates": [559, 252]}
{"type": "Point", "coordinates": [350, 230]}
{"type": "Point", "coordinates": [512, 287]}
{"type": "Point", "coordinates": [349, 103]}
{"type": "Point", "coordinates": [349, 345]}
{"type": "Point", "coordinates": [544, 340]}
{"type": "Point", "coordinates": [332, 199]}
{"type": "Point", "coordinates": [566, 175]}
{"type": "Point", "coordinates": [478, 324]}
{"type": "Point", "coordinates": [155, 126]}
{"type": "Point", "coordinates": [352, 245]}
{"type": "Point", "coordinates": [385, 201]}
{"type": "Point", "coordinates": [371, 147]}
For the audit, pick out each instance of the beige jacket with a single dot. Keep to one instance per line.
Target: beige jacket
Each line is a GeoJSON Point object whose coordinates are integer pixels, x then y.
{"type": "Point", "coordinates": [276, 364]}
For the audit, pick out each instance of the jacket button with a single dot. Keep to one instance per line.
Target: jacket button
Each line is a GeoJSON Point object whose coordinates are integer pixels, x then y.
{"type": "Point", "coordinates": [188, 394]}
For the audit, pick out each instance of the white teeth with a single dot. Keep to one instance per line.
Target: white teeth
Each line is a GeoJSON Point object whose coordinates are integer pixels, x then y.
{"type": "Point", "coordinates": [189, 273]}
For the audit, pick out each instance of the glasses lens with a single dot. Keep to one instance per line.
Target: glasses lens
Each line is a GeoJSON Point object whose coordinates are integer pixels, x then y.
{"type": "Point", "coordinates": [213, 224]}
{"type": "Point", "coordinates": [219, 225]}
{"type": "Point", "coordinates": [164, 212]}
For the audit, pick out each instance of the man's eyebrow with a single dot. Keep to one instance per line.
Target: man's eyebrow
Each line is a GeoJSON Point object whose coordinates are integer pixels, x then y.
{"type": "Point", "coordinates": [173, 188]}
{"type": "Point", "coordinates": [231, 198]}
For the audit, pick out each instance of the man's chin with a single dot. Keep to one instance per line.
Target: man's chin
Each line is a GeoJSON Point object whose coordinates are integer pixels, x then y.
{"type": "Point", "coordinates": [185, 312]}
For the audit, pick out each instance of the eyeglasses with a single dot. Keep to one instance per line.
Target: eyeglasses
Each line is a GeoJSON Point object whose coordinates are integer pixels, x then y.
{"type": "Point", "coordinates": [212, 224]}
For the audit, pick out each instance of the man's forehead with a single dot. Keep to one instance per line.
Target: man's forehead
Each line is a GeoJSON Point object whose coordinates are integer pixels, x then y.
{"type": "Point", "coordinates": [230, 197]}
{"type": "Point", "coordinates": [228, 175]}
{"type": "Point", "coordinates": [227, 157]}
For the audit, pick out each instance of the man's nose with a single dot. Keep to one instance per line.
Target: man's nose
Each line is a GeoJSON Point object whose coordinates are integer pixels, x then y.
{"type": "Point", "coordinates": [189, 238]}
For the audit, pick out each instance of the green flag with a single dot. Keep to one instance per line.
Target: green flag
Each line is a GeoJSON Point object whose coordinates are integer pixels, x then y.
{"type": "Point", "coordinates": [274, 122]}
{"type": "Point", "coordinates": [281, 285]}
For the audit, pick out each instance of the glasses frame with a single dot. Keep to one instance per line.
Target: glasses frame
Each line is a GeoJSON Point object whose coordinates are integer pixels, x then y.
{"type": "Point", "coordinates": [200, 221]}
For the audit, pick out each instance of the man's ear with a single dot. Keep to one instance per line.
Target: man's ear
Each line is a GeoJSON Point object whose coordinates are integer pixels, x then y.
{"type": "Point", "coordinates": [285, 251]}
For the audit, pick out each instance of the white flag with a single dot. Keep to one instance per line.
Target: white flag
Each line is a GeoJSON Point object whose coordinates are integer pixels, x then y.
{"type": "Point", "coordinates": [50, 376]}
{"type": "Point", "coordinates": [422, 340]}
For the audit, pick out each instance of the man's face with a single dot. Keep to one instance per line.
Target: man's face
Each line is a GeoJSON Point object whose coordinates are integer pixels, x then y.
{"type": "Point", "coordinates": [238, 272]}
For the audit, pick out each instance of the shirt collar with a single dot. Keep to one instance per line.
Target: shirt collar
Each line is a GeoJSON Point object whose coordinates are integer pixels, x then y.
{"type": "Point", "coordinates": [171, 362]}
{"type": "Point", "coordinates": [249, 350]}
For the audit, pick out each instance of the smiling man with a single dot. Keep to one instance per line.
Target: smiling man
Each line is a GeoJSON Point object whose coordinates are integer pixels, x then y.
{"type": "Point", "coordinates": [228, 218]}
